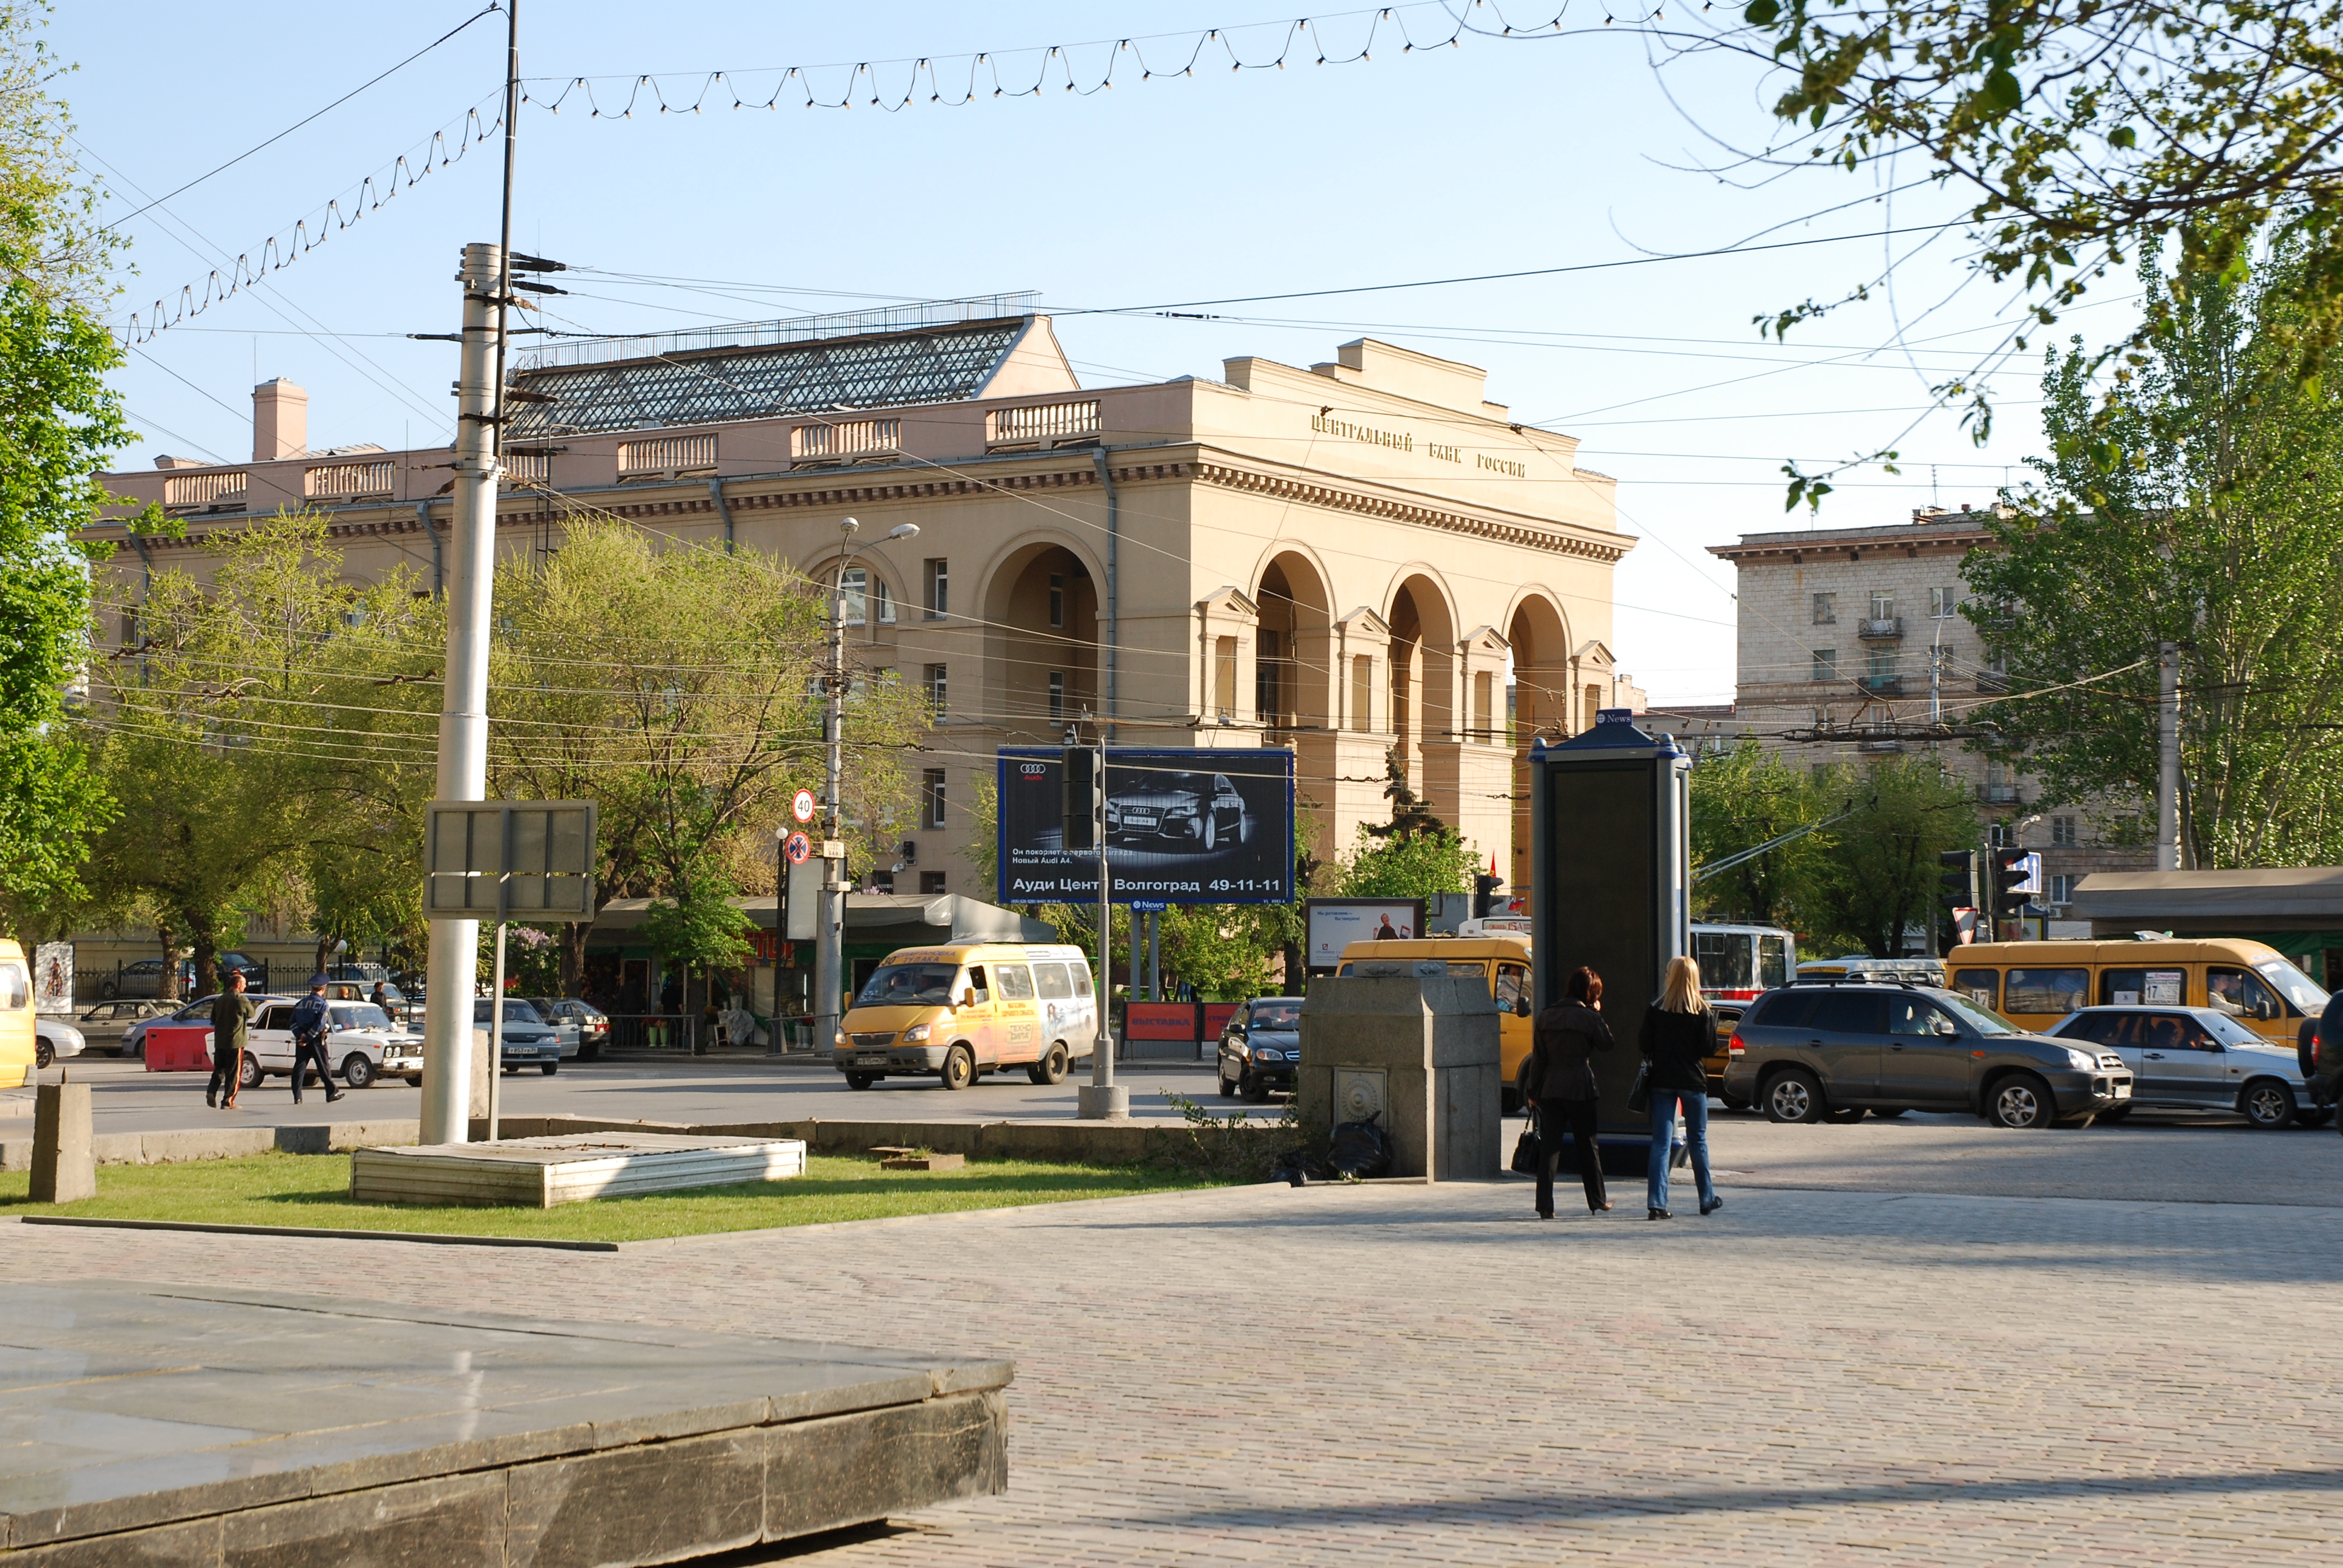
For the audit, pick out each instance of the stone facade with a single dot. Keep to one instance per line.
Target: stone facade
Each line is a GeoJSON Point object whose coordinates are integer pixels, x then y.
{"type": "Point", "coordinates": [1345, 558]}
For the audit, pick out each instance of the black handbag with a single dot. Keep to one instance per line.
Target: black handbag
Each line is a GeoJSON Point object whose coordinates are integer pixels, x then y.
{"type": "Point", "coordinates": [1528, 1149]}
{"type": "Point", "coordinates": [1639, 1097]}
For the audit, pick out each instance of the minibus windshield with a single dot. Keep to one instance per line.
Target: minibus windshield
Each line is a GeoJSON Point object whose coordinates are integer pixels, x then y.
{"type": "Point", "coordinates": [2292, 984]}
{"type": "Point", "coordinates": [908, 985]}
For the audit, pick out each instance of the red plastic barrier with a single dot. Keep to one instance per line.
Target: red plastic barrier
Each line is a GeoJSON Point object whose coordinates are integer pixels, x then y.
{"type": "Point", "coordinates": [179, 1047]}
{"type": "Point", "coordinates": [1217, 1014]}
{"type": "Point", "coordinates": [1173, 1020]}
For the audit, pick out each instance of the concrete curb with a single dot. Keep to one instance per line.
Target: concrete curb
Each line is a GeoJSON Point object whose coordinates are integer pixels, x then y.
{"type": "Point", "coordinates": [224, 1142]}
{"type": "Point", "coordinates": [436, 1238]}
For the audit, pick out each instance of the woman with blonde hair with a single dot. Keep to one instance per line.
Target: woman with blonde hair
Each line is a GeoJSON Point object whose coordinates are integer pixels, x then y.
{"type": "Point", "coordinates": [1679, 1032]}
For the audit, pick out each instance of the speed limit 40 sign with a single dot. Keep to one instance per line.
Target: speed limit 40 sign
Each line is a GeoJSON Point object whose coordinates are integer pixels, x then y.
{"type": "Point", "coordinates": [802, 806]}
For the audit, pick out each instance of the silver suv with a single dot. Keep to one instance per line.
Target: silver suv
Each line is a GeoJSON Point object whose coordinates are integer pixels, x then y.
{"type": "Point", "coordinates": [1836, 1052]}
{"type": "Point", "coordinates": [2197, 1058]}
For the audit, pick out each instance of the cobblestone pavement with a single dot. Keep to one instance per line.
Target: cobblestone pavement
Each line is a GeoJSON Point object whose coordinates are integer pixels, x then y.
{"type": "Point", "coordinates": [1410, 1374]}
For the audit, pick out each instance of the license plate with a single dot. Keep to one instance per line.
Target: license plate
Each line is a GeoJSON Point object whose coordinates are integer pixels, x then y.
{"type": "Point", "coordinates": [2123, 1091]}
{"type": "Point", "coordinates": [1138, 822]}
{"type": "Point", "coordinates": [871, 1059]}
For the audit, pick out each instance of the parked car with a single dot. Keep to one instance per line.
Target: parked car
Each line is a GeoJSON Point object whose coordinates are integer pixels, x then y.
{"type": "Point", "coordinates": [529, 1039]}
{"type": "Point", "coordinates": [1728, 1016]}
{"type": "Point", "coordinates": [1180, 810]}
{"type": "Point", "coordinates": [133, 1039]}
{"type": "Point", "coordinates": [106, 1025]}
{"type": "Point", "coordinates": [359, 1035]}
{"type": "Point", "coordinates": [143, 976]}
{"type": "Point", "coordinates": [585, 1029]}
{"type": "Point", "coordinates": [53, 1038]}
{"type": "Point", "coordinates": [1260, 1047]}
{"type": "Point", "coordinates": [1835, 1052]}
{"type": "Point", "coordinates": [2199, 1059]}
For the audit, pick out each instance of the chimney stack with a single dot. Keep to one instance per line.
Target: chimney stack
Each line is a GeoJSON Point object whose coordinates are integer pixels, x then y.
{"type": "Point", "coordinates": [280, 420]}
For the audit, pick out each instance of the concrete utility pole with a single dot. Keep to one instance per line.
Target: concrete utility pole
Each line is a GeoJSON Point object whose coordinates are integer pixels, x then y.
{"type": "Point", "coordinates": [830, 939]}
{"type": "Point", "coordinates": [453, 967]}
{"type": "Point", "coordinates": [1102, 1099]}
{"type": "Point", "coordinates": [2168, 766]}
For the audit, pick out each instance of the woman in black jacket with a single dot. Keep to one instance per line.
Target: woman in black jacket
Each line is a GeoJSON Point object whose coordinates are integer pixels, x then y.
{"type": "Point", "coordinates": [1562, 1075]}
{"type": "Point", "coordinates": [1679, 1032]}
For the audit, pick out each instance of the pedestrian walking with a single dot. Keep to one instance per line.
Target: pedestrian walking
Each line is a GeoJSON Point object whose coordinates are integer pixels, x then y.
{"type": "Point", "coordinates": [1565, 1040]}
{"type": "Point", "coordinates": [1678, 1033]}
{"type": "Point", "coordinates": [2327, 1088]}
{"type": "Point", "coordinates": [231, 1032]}
{"type": "Point", "coordinates": [310, 1015]}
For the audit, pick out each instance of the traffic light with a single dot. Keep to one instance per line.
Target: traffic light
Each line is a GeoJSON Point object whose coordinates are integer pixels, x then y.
{"type": "Point", "coordinates": [2011, 872]}
{"type": "Point", "coordinates": [1960, 879]}
{"type": "Point", "coordinates": [1484, 894]}
{"type": "Point", "coordinates": [1085, 796]}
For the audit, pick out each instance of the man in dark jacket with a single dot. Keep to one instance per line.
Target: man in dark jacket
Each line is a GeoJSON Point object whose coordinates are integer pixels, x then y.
{"type": "Point", "coordinates": [2327, 1088]}
{"type": "Point", "coordinates": [1562, 1081]}
{"type": "Point", "coordinates": [310, 1015]}
{"type": "Point", "coordinates": [231, 1031]}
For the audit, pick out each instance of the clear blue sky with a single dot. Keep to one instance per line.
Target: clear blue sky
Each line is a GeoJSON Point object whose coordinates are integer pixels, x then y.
{"type": "Point", "coordinates": [1493, 155]}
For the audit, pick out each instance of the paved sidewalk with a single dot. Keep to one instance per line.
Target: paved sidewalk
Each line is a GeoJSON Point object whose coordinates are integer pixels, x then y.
{"type": "Point", "coordinates": [1410, 1375]}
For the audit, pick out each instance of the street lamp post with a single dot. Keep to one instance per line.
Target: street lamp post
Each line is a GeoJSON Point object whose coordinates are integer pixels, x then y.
{"type": "Point", "coordinates": [830, 939]}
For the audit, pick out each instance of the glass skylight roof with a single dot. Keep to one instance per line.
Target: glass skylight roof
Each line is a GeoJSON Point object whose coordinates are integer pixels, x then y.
{"type": "Point", "coordinates": [713, 386]}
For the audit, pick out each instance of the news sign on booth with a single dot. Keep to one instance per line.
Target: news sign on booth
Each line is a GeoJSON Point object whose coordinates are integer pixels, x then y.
{"type": "Point", "coordinates": [509, 860]}
{"type": "Point", "coordinates": [1184, 826]}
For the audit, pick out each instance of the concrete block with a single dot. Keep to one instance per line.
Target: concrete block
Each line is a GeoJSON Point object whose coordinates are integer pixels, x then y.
{"type": "Point", "coordinates": [334, 1137]}
{"type": "Point", "coordinates": [590, 1510]}
{"type": "Point", "coordinates": [447, 1522]}
{"type": "Point", "coordinates": [64, 1165]}
{"type": "Point", "coordinates": [195, 1144]}
{"type": "Point", "coordinates": [1419, 1049]}
{"type": "Point", "coordinates": [828, 1474]}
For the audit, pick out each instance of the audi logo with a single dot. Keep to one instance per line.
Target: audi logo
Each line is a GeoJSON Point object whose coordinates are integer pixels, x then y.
{"type": "Point", "coordinates": [1033, 769]}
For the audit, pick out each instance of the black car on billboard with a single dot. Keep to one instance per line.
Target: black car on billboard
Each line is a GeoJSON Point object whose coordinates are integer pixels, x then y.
{"type": "Point", "coordinates": [1199, 811]}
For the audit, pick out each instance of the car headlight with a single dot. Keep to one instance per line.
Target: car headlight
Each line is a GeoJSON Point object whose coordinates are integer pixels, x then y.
{"type": "Point", "coordinates": [1180, 811]}
{"type": "Point", "coordinates": [918, 1032]}
{"type": "Point", "coordinates": [842, 1043]}
{"type": "Point", "coordinates": [2082, 1060]}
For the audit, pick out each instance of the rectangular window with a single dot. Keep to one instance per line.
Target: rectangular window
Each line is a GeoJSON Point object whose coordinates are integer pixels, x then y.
{"type": "Point", "coordinates": [936, 691]}
{"type": "Point", "coordinates": [931, 882]}
{"type": "Point", "coordinates": [1015, 981]}
{"type": "Point", "coordinates": [1879, 664]}
{"type": "Point", "coordinates": [1267, 699]}
{"type": "Point", "coordinates": [1484, 693]}
{"type": "Point", "coordinates": [1057, 598]}
{"type": "Point", "coordinates": [932, 797]}
{"type": "Point", "coordinates": [1050, 980]}
{"type": "Point", "coordinates": [1363, 692]}
{"type": "Point", "coordinates": [2054, 991]}
{"type": "Point", "coordinates": [2134, 986]}
{"type": "Point", "coordinates": [2062, 832]}
{"type": "Point", "coordinates": [1057, 694]}
{"type": "Point", "coordinates": [2062, 888]}
{"type": "Point", "coordinates": [884, 598]}
{"type": "Point", "coordinates": [853, 592]}
{"type": "Point", "coordinates": [1826, 664]}
{"type": "Point", "coordinates": [1825, 609]}
{"type": "Point", "coordinates": [1944, 603]}
{"type": "Point", "coordinates": [1225, 676]}
{"type": "Point", "coordinates": [1883, 606]}
{"type": "Point", "coordinates": [939, 587]}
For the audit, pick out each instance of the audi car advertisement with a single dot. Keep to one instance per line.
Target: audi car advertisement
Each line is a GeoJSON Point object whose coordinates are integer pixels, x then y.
{"type": "Point", "coordinates": [1186, 826]}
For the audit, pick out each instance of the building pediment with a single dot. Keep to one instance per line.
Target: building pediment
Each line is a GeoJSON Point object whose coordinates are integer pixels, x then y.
{"type": "Point", "coordinates": [1594, 653]}
{"type": "Point", "coordinates": [1229, 599]}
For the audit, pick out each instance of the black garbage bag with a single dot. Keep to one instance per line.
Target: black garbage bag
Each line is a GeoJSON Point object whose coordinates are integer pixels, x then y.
{"type": "Point", "coordinates": [1298, 1168]}
{"type": "Point", "coordinates": [1360, 1149]}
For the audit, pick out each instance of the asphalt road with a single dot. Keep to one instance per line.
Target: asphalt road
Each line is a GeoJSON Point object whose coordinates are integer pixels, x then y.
{"type": "Point", "coordinates": [2170, 1158]}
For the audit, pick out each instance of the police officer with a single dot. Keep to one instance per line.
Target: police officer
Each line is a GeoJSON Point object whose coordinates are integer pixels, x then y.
{"type": "Point", "coordinates": [231, 1022]}
{"type": "Point", "coordinates": [309, 1019]}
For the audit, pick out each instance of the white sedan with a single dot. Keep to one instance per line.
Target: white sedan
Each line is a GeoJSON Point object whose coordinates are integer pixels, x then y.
{"type": "Point", "coordinates": [357, 1036]}
{"type": "Point", "coordinates": [55, 1037]}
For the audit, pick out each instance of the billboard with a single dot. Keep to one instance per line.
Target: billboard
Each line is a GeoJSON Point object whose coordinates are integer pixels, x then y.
{"type": "Point", "coordinates": [1335, 923]}
{"type": "Point", "coordinates": [1185, 825]}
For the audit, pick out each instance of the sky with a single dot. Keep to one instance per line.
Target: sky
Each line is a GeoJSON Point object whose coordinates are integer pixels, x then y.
{"type": "Point", "coordinates": [1494, 155]}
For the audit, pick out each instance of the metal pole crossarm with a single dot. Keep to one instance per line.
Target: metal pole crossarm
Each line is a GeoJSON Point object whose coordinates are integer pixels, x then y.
{"type": "Point", "coordinates": [1792, 836]}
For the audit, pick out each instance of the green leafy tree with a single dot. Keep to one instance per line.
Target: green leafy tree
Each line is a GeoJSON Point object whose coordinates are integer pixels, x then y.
{"type": "Point", "coordinates": [1745, 798]}
{"type": "Point", "coordinates": [2204, 507]}
{"type": "Point", "coordinates": [2079, 132]}
{"type": "Point", "coordinates": [1878, 875]}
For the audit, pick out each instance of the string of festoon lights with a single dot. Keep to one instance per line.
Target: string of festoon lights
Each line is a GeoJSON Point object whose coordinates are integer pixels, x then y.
{"type": "Point", "coordinates": [1084, 69]}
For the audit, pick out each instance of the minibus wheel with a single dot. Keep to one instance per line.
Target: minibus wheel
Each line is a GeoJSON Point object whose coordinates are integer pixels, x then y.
{"type": "Point", "coordinates": [959, 1067]}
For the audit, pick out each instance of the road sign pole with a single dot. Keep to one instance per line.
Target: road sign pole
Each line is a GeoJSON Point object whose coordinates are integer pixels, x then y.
{"type": "Point", "coordinates": [1101, 1099]}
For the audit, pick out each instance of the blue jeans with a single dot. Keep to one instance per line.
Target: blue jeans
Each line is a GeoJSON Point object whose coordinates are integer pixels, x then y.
{"type": "Point", "coordinates": [1664, 1125]}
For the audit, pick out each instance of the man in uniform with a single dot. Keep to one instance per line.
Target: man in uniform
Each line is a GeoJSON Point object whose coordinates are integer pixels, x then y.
{"type": "Point", "coordinates": [231, 1028]}
{"type": "Point", "coordinates": [310, 1018]}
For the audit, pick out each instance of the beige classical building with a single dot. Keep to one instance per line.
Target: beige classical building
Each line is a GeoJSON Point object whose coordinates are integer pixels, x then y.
{"type": "Point", "coordinates": [1849, 640]}
{"type": "Point", "coordinates": [1344, 558]}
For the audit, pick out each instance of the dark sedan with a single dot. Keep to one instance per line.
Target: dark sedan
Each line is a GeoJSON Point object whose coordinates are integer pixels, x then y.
{"type": "Point", "coordinates": [1260, 1047]}
{"type": "Point", "coordinates": [1180, 810]}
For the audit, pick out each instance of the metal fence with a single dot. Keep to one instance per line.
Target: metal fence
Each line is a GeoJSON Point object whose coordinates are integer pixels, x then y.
{"type": "Point", "coordinates": [691, 1035]}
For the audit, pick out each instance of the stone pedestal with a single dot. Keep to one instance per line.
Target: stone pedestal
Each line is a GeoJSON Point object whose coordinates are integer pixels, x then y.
{"type": "Point", "coordinates": [481, 1070]}
{"type": "Point", "coordinates": [1111, 1103]}
{"type": "Point", "coordinates": [1421, 1046]}
{"type": "Point", "coordinates": [64, 1163]}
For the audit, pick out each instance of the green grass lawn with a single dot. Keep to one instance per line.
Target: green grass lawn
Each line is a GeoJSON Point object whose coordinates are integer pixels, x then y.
{"type": "Point", "coordinates": [314, 1190]}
